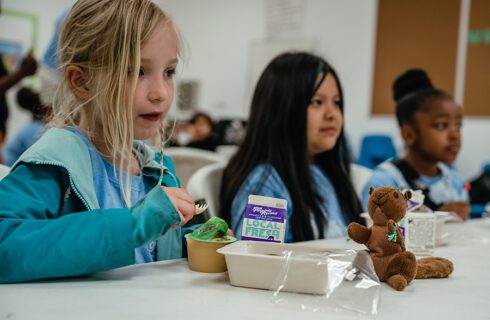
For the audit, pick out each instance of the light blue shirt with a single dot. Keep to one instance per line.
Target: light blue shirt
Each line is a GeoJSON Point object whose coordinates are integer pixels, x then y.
{"type": "Point", "coordinates": [443, 188]}
{"type": "Point", "coordinates": [265, 181]}
{"type": "Point", "coordinates": [108, 193]}
{"type": "Point", "coordinates": [26, 137]}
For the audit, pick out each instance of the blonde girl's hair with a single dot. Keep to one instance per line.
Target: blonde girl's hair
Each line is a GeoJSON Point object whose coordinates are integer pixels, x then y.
{"type": "Point", "coordinates": [104, 39]}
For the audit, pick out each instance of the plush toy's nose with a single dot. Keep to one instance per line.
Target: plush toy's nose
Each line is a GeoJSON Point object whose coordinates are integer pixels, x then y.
{"type": "Point", "coordinates": [379, 198]}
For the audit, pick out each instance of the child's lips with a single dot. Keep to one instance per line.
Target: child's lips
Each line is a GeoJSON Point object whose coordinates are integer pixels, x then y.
{"type": "Point", "coordinates": [329, 130]}
{"type": "Point", "coordinates": [152, 116]}
{"type": "Point", "coordinates": [454, 148]}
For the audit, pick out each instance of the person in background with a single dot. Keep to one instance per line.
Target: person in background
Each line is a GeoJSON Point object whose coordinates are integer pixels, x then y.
{"type": "Point", "coordinates": [30, 101]}
{"type": "Point", "coordinates": [27, 68]}
{"type": "Point", "coordinates": [202, 132]}
{"type": "Point", "coordinates": [179, 133]}
{"type": "Point", "coordinates": [430, 125]}
{"type": "Point", "coordinates": [294, 149]}
{"type": "Point", "coordinates": [90, 194]}
{"type": "Point", "coordinates": [198, 132]}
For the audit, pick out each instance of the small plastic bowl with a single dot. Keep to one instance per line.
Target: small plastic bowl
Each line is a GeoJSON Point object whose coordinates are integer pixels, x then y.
{"type": "Point", "coordinates": [203, 257]}
{"type": "Point", "coordinates": [441, 236]}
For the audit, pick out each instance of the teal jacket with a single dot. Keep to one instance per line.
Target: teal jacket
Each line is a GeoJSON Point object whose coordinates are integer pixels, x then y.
{"type": "Point", "coordinates": [50, 221]}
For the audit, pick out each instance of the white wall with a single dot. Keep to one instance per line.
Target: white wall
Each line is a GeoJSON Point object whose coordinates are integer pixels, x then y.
{"type": "Point", "coordinates": [219, 36]}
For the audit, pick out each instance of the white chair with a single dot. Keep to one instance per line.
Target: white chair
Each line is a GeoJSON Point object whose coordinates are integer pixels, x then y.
{"type": "Point", "coordinates": [360, 176]}
{"type": "Point", "coordinates": [4, 170]}
{"type": "Point", "coordinates": [189, 160]}
{"type": "Point", "coordinates": [227, 150]}
{"type": "Point", "coordinates": [206, 184]}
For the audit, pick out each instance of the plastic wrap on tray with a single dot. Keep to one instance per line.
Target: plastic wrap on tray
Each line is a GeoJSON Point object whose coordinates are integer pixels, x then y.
{"type": "Point", "coordinates": [304, 277]}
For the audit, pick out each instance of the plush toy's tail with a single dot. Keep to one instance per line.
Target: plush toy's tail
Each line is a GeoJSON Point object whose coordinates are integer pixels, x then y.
{"type": "Point", "coordinates": [433, 267]}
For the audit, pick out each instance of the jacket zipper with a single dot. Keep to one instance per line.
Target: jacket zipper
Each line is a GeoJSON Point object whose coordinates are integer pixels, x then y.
{"type": "Point", "coordinates": [72, 185]}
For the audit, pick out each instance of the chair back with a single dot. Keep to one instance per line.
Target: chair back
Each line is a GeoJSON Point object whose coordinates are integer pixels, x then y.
{"type": "Point", "coordinates": [206, 184]}
{"type": "Point", "coordinates": [188, 160]}
{"type": "Point", "coordinates": [4, 170]}
{"type": "Point", "coordinates": [360, 176]}
{"type": "Point", "coordinates": [375, 149]}
{"type": "Point", "coordinates": [486, 167]}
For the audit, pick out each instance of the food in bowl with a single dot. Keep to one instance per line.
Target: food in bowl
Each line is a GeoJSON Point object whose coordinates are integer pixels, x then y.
{"type": "Point", "coordinates": [203, 243]}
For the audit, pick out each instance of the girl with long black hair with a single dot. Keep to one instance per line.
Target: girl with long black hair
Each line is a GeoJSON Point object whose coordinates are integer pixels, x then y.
{"type": "Point", "coordinates": [295, 149]}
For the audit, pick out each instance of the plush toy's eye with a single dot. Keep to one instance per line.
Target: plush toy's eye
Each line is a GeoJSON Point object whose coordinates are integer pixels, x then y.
{"type": "Point", "coordinates": [395, 194]}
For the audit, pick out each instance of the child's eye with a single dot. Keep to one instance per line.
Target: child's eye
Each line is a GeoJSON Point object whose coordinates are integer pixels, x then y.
{"type": "Point", "coordinates": [441, 126]}
{"type": "Point", "coordinates": [170, 73]}
{"type": "Point", "coordinates": [140, 73]}
{"type": "Point", "coordinates": [337, 103]}
{"type": "Point", "coordinates": [316, 102]}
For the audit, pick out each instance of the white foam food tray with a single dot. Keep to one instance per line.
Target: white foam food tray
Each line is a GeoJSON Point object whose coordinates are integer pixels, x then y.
{"type": "Point", "coordinates": [263, 265]}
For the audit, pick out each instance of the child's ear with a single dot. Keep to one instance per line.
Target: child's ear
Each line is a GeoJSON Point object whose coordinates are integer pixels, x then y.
{"type": "Point", "coordinates": [408, 134]}
{"type": "Point", "coordinates": [77, 80]}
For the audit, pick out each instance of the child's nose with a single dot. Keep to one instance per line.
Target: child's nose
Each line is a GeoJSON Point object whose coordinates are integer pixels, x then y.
{"type": "Point", "coordinates": [454, 133]}
{"type": "Point", "coordinates": [329, 111]}
{"type": "Point", "coordinates": [455, 137]}
{"type": "Point", "coordinates": [159, 91]}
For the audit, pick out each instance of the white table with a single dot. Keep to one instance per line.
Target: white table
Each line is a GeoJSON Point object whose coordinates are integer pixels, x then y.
{"type": "Point", "coordinates": [169, 290]}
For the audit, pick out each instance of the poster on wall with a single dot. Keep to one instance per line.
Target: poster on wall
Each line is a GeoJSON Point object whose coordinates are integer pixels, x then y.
{"type": "Point", "coordinates": [18, 36]}
{"type": "Point", "coordinates": [285, 18]}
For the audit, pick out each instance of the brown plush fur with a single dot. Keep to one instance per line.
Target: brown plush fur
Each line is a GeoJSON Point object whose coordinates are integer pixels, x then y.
{"type": "Point", "coordinates": [392, 263]}
{"type": "Point", "coordinates": [433, 267]}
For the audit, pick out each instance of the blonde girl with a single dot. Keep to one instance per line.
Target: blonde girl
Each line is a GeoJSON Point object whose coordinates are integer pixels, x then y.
{"type": "Point", "coordinates": [90, 195]}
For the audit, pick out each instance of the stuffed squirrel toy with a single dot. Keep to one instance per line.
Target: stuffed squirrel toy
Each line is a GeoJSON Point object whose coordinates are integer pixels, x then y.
{"type": "Point", "coordinates": [392, 263]}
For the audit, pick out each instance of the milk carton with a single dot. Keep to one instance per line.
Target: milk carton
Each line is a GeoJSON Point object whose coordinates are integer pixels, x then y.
{"type": "Point", "coordinates": [265, 219]}
{"type": "Point", "coordinates": [416, 201]}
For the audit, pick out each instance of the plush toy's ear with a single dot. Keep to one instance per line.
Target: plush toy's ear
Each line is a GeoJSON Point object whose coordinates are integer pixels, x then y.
{"type": "Point", "coordinates": [371, 189]}
{"type": "Point", "coordinates": [408, 194]}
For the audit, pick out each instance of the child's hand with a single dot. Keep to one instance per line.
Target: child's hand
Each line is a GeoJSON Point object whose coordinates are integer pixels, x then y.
{"type": "Point", "coordinates": [461, 208]}
{"type": "Point", "coordinates": [28, 66]}
{"type": "Point", "coordinates": [183, 202]}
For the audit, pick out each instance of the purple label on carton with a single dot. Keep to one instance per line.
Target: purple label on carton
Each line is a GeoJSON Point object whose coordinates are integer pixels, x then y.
{"type": "Point", "coordinates": [411, 204]}
{"type": "Point", "coordinates": [262, 223]}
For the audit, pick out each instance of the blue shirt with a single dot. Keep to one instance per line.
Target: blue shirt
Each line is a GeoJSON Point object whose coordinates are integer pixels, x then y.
{"type": "Point", "coordinates": [265, 181]}
{"type": "Point", "coordinates": [108, 193]}
{"type": "Point", "coordinates": [16, 146]}
{"type": "Point", "coordinates": [446, 187]}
